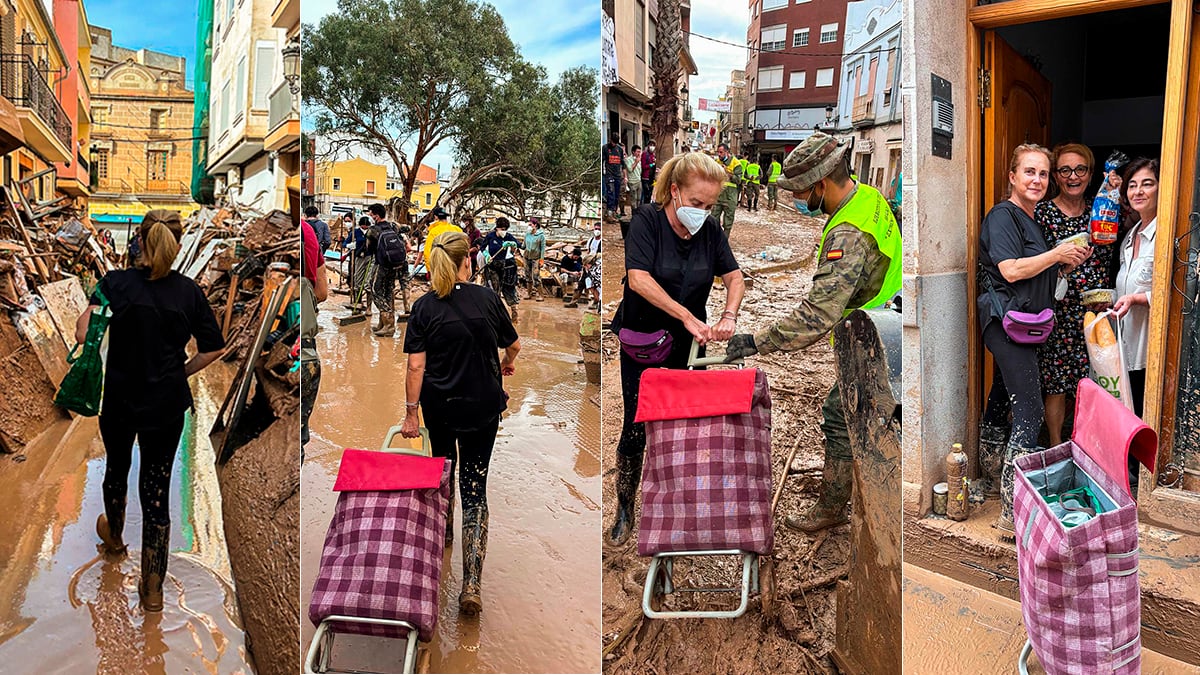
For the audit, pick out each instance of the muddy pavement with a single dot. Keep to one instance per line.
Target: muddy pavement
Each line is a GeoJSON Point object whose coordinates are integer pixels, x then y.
{"type": "Point", "coordinates": [779, 251]}
{"type": "Point", "coordinates": [64, 608]}
{"type": "Point", "coordinates": [541, 577]}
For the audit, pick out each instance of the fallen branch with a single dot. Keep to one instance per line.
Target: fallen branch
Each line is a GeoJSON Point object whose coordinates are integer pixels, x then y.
{"type": "Point", "coordinates": [824, 580]}
{"type": "Point", "coordinates": [629, 623]}
{"type": "Point", "coordinates": [783, 479]}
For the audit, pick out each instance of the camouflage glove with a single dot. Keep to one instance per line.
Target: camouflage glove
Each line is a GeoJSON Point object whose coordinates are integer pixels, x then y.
{"type": "Point", "coordinates": [739, 347]}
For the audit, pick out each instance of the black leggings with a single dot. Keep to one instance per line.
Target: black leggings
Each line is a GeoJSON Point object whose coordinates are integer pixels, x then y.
{"type": "Point", "coordinates": [157, 450]}
{"type": "Point", "coordinates": [1016, 387]}
{"type": "Point", "coordinates": [473, 451]}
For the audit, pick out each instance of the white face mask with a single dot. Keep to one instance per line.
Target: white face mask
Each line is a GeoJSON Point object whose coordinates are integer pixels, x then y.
{"type": "Point", "coordinates": [691, 217]}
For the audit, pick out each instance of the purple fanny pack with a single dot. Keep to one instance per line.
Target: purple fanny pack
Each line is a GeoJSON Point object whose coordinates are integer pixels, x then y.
{"type": "Point", "coordinates": [649, 348]}
{"type": "Point", "coordinates": [1027, 328]}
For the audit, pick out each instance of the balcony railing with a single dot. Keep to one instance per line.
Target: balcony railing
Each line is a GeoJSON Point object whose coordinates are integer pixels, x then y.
{"type": "Point", "coordinates": [21, 83]}
{"type": "Point", "coordinates": [139, 186]}
{"type": "Point", "coordinates": [83, 163]}
{"type": "Point", "coordinates": [280, 106]}
{"type": "Point", "coordinates": [864, 110]}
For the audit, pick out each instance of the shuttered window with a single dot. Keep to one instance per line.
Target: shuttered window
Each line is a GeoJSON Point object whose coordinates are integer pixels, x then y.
{"type": "Point", "coordinates": [264, 74]}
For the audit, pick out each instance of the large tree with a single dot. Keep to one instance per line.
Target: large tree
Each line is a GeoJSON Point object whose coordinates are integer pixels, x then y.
{"type": "Point", "coordinates": [402, 77]}
{"type": "Point", "coordinates": [664, 117]}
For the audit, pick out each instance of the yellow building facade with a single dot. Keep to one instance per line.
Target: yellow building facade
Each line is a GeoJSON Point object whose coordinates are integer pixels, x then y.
{"type": "Point", "coordinates": [353, 184]}
{"type": "Point", "coordinates": [141, 147]}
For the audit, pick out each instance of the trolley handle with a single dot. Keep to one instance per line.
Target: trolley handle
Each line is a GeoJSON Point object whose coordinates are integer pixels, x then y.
{"type": "Point", "coordinates": [394, 432]}
{"type": "Point", "coordinates": [695, 361]}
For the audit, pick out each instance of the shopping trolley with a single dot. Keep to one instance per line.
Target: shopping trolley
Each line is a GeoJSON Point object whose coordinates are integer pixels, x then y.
{"type": "Point", "coordinates": [706, 479]}
{"type": "Point", "coordinates": [382, 559]}
{"type": "Point", "coordinates": [1077, 541]}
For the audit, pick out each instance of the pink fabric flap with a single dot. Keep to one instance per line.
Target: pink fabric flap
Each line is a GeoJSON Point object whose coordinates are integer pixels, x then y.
{"type": "Point", "coordinates": [668, 394]}
{"type": "Point", "coordinates": [365, 470]}
{"type": "Point", "coordinates": [1109, 432]}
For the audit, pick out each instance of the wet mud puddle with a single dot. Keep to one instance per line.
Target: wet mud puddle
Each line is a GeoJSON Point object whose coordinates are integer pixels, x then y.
{"type": "Point", "coordinates": [65, 608]}
{"type": "Point", "coordinates": [541, 577]}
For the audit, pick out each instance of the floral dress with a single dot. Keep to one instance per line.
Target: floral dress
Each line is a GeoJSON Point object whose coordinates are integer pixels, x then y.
{"type": "Point", "coordinates": [1063, 358]}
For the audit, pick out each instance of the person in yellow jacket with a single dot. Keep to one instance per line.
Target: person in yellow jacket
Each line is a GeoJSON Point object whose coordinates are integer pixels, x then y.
{"type": "Point", "coordinates": [753, 185]}
{"type": "Point", "coordinates": [727, 200]}
{"type": "Point", "coordinates": [773, 182]}
{"type": "Point", "coordinates": [745, 164]}
{"type": "Point", "coordinates": [858, 267]}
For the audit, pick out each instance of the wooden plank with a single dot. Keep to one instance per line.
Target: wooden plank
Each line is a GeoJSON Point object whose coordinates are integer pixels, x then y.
{"type": "Point", "coordinates": [65, 301]}
{"type": "Point", "coordinates": [39, 330]}
{"type": "Point", "coordinates": [1162, 366]}
{"type": "Point", "coordinates": [1027, 11]}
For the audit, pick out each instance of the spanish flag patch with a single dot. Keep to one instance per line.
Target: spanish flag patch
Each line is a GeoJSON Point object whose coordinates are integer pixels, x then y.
{"type": "Point", "coordinates": [835, 254]}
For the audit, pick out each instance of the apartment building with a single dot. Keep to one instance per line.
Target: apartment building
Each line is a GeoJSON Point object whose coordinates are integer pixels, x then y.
{"type": "Point", "coordinates": [283, 109]}
{"type": "Point", "coordinates": [141, 146]}
{"type": "Point", "coordinates": [626, 101]}
{"type": "Point", "coordinates": [869, 100]}
{"type": "Point", "coordinates": [44, 54]}
{"type": "Point", "coordinates": [245, 66]}
{"type": "Point", "coordinates": [354, 184]}
{"type": "Point", "coordinates": [792, 70]}
{"type": "Point", "coordinates": [732, 124]}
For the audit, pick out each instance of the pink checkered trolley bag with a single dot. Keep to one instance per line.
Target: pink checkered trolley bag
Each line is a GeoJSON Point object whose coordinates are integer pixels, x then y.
{"type": "Point", "coordinates": [706, 478]}
{"type": "Point", "coordinates": [382, 560]}
{"type": "Point", "coordinates": [1077, 542]}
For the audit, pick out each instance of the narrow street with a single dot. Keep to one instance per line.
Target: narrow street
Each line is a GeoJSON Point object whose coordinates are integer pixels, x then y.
{"type": "Point", "coordinates": [541, 581]}
{"type": "Point", "coordinates": [777, 250]}
{"type": "Point", "coordinates": [64, 608]}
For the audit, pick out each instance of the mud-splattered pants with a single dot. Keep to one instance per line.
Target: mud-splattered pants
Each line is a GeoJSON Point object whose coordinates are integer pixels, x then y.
{"type": "Point", "coordinates": [310, 383]}
{"type": "Point", "coordinates": [1016, 388]}
{"type": "Point", "coordinates": [472, 450]}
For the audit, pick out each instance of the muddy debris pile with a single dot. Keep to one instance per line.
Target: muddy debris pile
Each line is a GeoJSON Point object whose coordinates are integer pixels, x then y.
{"type": "Point", "coordinates": [51, 258]}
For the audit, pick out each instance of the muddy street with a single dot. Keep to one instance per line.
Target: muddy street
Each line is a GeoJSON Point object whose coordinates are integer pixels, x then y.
{"type": "Point", "coordinates": [64, 608]}
{"type": "Point", "coordinates": [541, 589]}
{"type": "Point", "coordinates": [777, 251]}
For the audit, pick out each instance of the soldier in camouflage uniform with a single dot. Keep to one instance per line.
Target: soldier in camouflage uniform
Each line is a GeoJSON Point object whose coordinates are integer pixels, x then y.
{"type": "Point", "coordinates": [727, 200]}
{"type": "Point", "coordinates": [859, 267]}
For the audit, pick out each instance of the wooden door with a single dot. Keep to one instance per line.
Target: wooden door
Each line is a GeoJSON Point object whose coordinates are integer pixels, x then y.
{"type": "Point", "coordinates": [1016, 110]}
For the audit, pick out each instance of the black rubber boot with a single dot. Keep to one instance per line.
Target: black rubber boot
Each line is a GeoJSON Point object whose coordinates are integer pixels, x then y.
{"type": "Point", "coordinates": [1008, 481]}
{"type": "Point", "coordinates": [450, 509]}
{"type": "Point", "coordinates": [629, 476]}
{"type": "Point", "coordinates": [993, 442]}
{"type": "Point", "coordinates": [830, 509]}
{"type": "Point", "coordinates": [111, 524]}
{"type": "Point", "coordinates": [155, 542]}
{"type": "Point", "coordinates": [474, 546]}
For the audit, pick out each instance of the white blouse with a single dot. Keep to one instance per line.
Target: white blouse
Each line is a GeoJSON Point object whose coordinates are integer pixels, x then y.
{"type": "Point", "coordinates": [1136, 276]}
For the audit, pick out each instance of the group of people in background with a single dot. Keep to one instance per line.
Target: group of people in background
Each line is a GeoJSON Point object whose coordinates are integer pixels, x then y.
{"type": "Point", "coordinates": [1029, 264]}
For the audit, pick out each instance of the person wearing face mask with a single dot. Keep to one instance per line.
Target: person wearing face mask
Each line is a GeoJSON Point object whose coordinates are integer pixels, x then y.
{"type": "Point", "coordinates": [649, 172]}
{"type": "Point", "coordinates": [501, 268]}
{"type": "Point", "coordinates": [633, 177]}
{"type": "Point", "coordinates": [727, 201]}
{"type": "Point", "coordinates": [361, 263]}
{"type": "Point", "coordinates": [672, 252]}
{"type": "Point", "coordinates": [859, 267]}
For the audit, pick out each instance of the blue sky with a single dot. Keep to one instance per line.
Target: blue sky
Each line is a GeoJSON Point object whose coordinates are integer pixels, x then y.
{"type": "Point", "coordinates": [168, 27]}
{"type": "Point", "coordinates": [725, 20]}
{"type": "Point", "coordinates": [555, 34]}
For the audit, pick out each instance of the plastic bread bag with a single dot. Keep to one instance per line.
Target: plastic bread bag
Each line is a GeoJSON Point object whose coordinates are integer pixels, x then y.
{"type": "Point", "coordinates": [1106, 209]}
{"type": "Point", "coordinates": [1104, 352]}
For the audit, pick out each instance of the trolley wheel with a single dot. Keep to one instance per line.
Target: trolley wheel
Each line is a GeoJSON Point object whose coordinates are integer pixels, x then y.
{"type": "Point", "coordinates": [766, 585]}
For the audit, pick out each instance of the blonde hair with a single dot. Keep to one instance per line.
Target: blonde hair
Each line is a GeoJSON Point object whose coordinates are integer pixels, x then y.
{"type": "Point", "coordinates": [161, 230]}
{"type": "Point", "coordinates": [445, 257]}
{"type": "Point", "coordinates": [683, 170]}
{"type": "Point", "coordinates": [1025, 149]}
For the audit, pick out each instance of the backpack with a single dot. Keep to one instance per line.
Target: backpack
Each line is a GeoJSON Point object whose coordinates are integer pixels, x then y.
{"type": "Point", "coordinates": [390, 250]}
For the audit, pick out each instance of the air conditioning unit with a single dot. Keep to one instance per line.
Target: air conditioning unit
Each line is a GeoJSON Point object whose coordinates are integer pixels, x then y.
{"type": "Point", "coordinates": [235, 177]}
{"type": "Point", "coordinates": [218, 186]}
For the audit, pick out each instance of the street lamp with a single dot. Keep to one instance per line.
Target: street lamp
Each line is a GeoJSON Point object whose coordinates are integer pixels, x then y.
{"type": "Point", "coordinates": [291, 66]}
{"type": "Point", "coordinates": [683, 91]}
{"type": "Point", "coordinates": [829, 116]}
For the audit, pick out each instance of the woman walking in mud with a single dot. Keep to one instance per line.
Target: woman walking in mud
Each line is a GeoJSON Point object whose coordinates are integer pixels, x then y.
{"type": "Point", "coordinates": [1018, 274]}
{"type": "Point", "coordinates": [673, 251]}
{"type": "Point", "coordinates": [455, 378]}
{"type": "Point", "coordinates": [155, 313]}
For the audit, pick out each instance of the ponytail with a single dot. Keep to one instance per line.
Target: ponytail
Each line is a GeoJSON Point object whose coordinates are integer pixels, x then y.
{"type": "Point", "coordinates": [445, 257]}
{"type": "Point", "coordinates": [161, 231]}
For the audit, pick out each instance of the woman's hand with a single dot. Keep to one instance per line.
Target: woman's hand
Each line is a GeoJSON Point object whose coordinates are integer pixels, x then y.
{"type": "Point", "coordinates": [411, 427]}
{"type": "Point", "coordinates": [698, 329]}
{"type": "Point", "coordinates": [1121, 308]}
{"type": "Point", "coordinates": [723, 330]}
{"type": "Point", "coordinates": [507, 367]}
{"type": "Point", "coordinates": [1071, 255]}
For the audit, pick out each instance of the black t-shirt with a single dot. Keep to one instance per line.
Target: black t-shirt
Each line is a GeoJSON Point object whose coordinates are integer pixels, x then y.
{"type": "Point", "coordinates": [684, 269]}
{"type": "Point", "coordinates": [571, 264]}
{"type": "Point", "coordinates": [613, 158]}
{"type": "Point", "coordinates": [1008, 233]}
{"type": "Point", "coordinates": [152, 323]}
{"type": "Point", "coordinates": [462, 384]}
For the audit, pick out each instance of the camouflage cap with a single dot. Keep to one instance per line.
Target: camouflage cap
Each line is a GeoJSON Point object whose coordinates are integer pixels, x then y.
{"type": "Point", "coordinates": [811, 161]}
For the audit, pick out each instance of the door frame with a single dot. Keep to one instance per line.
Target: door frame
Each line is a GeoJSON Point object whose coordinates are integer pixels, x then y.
{"type": "Point", "coordinates": [1170, 507]}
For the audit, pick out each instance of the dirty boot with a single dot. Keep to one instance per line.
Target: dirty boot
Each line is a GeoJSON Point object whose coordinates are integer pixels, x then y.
{"type": "Point", "coordinates": [830, 509]}
{"type": "Point", "coordinates": [992, 442]}
{"type": "Point", "coordinates": [1008, 480]}
{"type": "Point", "coordinates": [474, 544]}
{"type": "Point", "coordinates": [114, 545]}
{"type": "Point", "coordinates": [387, 324]}
{"type": "Point", "coordinates": [629, 474]}
{"type": "Point", "coordinates": [156, 539]}
{"type": "Point", "coordinates": [450, 510]}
